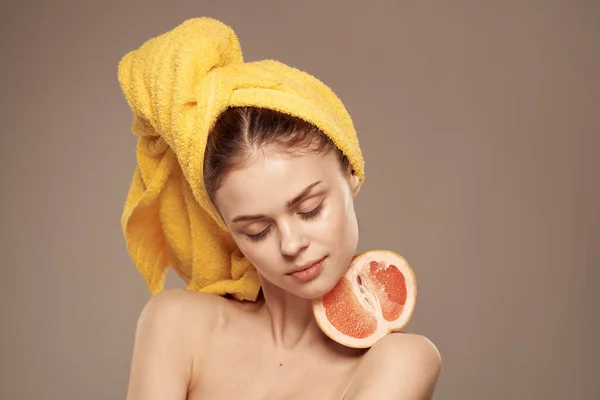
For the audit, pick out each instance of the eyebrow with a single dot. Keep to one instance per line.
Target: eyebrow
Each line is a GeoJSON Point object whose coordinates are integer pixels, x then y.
{"type": "Point", "coordinates": [289, 204]}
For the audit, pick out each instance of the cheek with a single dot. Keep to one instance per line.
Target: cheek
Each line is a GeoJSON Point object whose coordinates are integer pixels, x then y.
{"type": "Point", "coordinates": [261, 254]}
{"type": "Point", "coordinates": [340, 229]}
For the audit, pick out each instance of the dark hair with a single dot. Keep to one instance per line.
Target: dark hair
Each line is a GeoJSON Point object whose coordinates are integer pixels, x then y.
{"type": "Point", "coordinates": [243, 132]}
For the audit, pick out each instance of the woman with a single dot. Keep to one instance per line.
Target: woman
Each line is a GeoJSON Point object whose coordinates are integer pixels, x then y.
{"type": "Point", "coordinates": [245, 185]}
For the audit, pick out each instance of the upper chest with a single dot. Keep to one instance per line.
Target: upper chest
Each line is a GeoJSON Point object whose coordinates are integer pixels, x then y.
{"type": "Point", "coordinates": [246, 369]}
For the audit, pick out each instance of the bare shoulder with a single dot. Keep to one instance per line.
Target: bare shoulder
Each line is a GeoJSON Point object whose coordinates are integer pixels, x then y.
{"type": "Point", "coordinates": [176, 305]}
{"type": "Point", "coordinates": [399, 366]}
{"type": "Point", "coordinates": [170, 331]}
{"type": "Point", "coordinates": [185, 316]}
{"type": "Point", "coordinates": [402, 348]}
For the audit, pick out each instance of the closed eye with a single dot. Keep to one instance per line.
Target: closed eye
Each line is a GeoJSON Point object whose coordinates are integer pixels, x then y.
{"type": "Point", "coordinates": [259, 236]}
{"type": "Point", "coordinates": [313, 213]}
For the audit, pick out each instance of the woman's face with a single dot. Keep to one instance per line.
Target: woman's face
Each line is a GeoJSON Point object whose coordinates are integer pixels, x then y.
{"type": "Point", "coordinates": [287, 213]}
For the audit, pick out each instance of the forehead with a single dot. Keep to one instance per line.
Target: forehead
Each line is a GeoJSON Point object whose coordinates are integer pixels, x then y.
{"type": "Point", "coordinates": [273, 179]}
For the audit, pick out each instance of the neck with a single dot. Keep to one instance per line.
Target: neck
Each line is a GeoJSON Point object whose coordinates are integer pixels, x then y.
{"type": "Point", "coordinates": [291, 317]}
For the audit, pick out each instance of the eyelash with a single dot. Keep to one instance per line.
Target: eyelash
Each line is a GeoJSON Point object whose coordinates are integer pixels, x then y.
{"type": "Point", "coordinates": [314, 213]}
{"type": "Point", "coordinates": [305, 216]}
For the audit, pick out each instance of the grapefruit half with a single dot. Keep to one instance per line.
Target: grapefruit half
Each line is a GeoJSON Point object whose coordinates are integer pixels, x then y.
{"type": "Point", "coordinates": [375, 296]}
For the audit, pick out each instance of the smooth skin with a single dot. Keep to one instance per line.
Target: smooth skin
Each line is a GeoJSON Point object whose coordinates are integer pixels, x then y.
{"type": "Point", "coordinates": [198, 346]}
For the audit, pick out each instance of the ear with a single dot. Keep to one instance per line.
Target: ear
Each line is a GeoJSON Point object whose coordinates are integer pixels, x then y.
{"type": "Point", "coordinates": [355, 184]}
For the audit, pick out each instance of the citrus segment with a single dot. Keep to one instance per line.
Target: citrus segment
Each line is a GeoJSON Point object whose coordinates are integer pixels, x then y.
{"type": "Point", "coordinates": [346, 313]}
{"type": "Point", "coordinates": [390, 284]}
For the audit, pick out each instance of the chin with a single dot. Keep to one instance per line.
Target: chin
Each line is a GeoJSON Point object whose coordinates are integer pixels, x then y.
{"type": "Point", "coordinates": [318, 287]}
{"type": "Point", "coordinates": [312, 293]}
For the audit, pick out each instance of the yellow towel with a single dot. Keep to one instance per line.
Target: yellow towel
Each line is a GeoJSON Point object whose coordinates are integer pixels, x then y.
{"type": "Point", "coordinates": [177, 84]}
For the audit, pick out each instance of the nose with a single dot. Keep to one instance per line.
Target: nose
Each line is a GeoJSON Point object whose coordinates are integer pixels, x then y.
{"type": "Point", "coordinates": [293, 240]}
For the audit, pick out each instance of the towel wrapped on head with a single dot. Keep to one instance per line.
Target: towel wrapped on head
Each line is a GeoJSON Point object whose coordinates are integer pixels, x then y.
{"type": "Point", "coordinates": [177, 84]}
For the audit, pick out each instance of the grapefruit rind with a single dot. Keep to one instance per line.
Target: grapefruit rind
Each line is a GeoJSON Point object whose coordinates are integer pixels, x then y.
{"type": "Point", "coordinates": [383, 327]}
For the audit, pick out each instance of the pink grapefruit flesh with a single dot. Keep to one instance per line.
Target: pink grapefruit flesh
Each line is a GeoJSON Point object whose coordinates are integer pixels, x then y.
{"type": "Point", "coordinates": [375, 296]}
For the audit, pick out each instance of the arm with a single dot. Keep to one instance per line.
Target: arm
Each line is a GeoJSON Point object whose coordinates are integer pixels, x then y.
{"type": "Point", "coordinates": [162, 356]}
{"type": "Point", "coordinates": [399, 367]}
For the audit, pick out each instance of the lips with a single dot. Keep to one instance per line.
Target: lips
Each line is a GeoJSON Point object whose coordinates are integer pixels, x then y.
{"type": "Point", "coordinates": [306, 266]}
{"type": "Point", "coordinates": [309, 270]}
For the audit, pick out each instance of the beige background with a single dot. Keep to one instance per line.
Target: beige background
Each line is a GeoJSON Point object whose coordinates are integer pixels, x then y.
{"type": "Point", "coordinates": [480, 127]}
